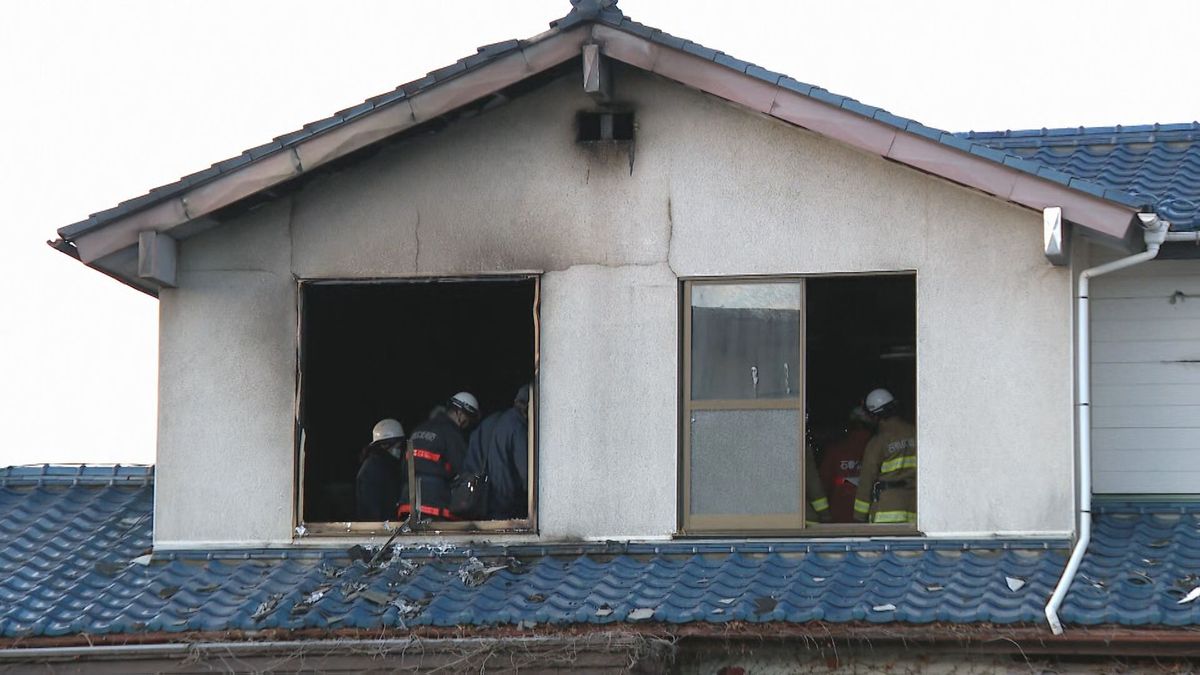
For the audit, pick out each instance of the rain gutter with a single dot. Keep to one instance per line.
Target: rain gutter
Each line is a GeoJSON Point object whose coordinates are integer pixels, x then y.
{"type": "Point", "coordinates": [1154, 233]}
{"type": "Point", "coordinates": [371, 647]}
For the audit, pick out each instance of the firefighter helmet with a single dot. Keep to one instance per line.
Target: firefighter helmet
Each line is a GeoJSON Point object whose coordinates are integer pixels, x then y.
{"type": "Point", "coordinates": [465, 402]}
{"type": "Point", "coordinates": [386, 428]}
{"type": "Point", "coordinates": [878, 401]}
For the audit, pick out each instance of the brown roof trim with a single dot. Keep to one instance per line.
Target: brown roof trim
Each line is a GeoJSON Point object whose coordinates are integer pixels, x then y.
{"type": "Point", "coordinates": [272, 170]}
{"type": "Point", "coordinates": [553, 48]}
{"type": "Point", "coordinates": [864, 134]}
{"type": "Point", "coordinates": [1183, 642]}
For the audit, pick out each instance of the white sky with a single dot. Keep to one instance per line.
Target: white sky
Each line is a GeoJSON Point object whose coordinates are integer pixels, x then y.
{"type": "Point", "coordinates": [104, 100]}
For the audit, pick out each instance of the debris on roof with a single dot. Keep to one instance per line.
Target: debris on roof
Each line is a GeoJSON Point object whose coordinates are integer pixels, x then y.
{"type": "Point", "coordinates": [67, 537]}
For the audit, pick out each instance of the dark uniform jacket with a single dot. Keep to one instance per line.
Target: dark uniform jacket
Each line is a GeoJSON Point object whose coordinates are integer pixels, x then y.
{"type": "Point", "coordinates": [503, 438]}
{"type": "Point", "coordinates": [439, 448]}
{"type": "Point", "coordinates": [380, 483]}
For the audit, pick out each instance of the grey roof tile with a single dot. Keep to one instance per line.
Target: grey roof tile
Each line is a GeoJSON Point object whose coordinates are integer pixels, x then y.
{"type": "Point", "coordinates": [667, 39]}
{"type": "Point", "coordinates": [638, 29]}
{"type": "Point", "coordinates": [889, 119]}
{"type": "Point", "coordinates": [700, 50]}
{"type": "Point", "coordinates": [987, 153]}
{"type": "Point", "coordinates": [730, 62]}
{"type": "Point", "coordinates": [859, 108]}
{"type": "Point", "coordinates": [764, 74]}
{"type": "Point", "coordinates": [915, 127]}
{"type": "Point", "coordinates": [447, 71]}
{"type": "Point", "coordinates": [263, 150]}
{"type": "Point", "coordinates": [826, 96]}
{"type": "Point", "coordinates": [796, 86]}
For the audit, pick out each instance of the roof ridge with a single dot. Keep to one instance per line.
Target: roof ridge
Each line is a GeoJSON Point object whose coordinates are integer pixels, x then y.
{"type": "Point", "coordinates": [1120, 133]}
{"type": "Point", "coordinates": [77, 474]}
{"type": "Point", "coordinates": [607, 13]}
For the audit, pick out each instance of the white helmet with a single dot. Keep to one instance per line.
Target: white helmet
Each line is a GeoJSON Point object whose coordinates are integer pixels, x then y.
{"type": "Point", "coordinates": [878, 400]}
{"type": "Point", "coordinates": [386, 428]}
{"type": "Point", "coordinates": [466, 402]}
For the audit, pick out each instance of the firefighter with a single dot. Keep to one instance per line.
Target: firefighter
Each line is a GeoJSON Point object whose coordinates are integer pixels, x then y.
{"type": "Point", "coordinates": [887, 487]}
{"type": "Point", "coordinates": [842, 462]}
{"type": "Point", "coordinates": [501, 443]}
{"type": "Point", "coordinates": [381, 477]}
{"type": "Point", "coordinates": [439, 448]}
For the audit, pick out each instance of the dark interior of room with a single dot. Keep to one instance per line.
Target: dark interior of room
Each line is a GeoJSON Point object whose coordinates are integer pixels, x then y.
{"type": "Point", "coordinates": [398, 349]}
{"type": "Point", "coordinates": [861, 334]}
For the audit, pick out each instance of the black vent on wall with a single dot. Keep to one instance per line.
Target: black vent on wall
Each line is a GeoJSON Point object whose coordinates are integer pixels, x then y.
{"type": "Point", "coordinates": [605, 126]}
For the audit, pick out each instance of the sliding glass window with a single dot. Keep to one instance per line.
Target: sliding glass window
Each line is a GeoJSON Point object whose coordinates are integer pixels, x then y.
{"type": "Point", "coordinates": [776, 433]}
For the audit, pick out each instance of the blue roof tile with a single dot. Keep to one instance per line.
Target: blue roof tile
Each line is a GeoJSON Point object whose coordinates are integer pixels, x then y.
{"type": "Point", "coordinates": [764, 74]}
{"type": "Point", "coordinates": [68, 536]}
{"type": "Point", "coordinates": [1154, 164]}
{"type": "Point", "coordinates": [730, 62]}
{"type": "Point", "coordinates": [700, 50]}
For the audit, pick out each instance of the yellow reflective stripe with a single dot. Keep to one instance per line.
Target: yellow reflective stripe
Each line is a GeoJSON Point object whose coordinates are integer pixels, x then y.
{"type": "Point", "coordinates": [898, 463]}
{"type": "Point", "coordinates": [894, 517]}
{"type": "Point", "coordinates": [861, 507]}
{"type": "Point", "coordinates": [821, 504]}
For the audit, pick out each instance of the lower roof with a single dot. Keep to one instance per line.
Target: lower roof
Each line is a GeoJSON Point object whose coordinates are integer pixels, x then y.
{"type": "Point", "coordinates": [74, 545]}
{"type": "Point", "coordinates": [1157, 163]}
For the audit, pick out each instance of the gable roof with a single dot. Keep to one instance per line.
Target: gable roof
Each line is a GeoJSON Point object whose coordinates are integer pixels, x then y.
{"type": "Point", "coordinates": [196, 201]}
{"type": "Point", "coordinates": [1158, 164]}
{"type": "Point", "coordinates": [73, 564]}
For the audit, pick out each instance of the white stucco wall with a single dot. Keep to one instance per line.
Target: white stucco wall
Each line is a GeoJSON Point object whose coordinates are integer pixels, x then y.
{"type": "Point", "coordinates": [714, 190]}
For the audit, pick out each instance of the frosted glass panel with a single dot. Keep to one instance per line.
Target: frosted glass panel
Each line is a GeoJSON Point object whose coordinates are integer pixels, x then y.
{"type": "Point", "coordinates": [746, 341]}
{"type": "Point", "coordinates": [745, 462]}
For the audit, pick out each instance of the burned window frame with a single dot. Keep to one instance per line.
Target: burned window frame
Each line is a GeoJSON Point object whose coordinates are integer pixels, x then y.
{"type": "Point", "coordinates": [708, 525]}
{"type": "Point", "coordinates": [525, 526]}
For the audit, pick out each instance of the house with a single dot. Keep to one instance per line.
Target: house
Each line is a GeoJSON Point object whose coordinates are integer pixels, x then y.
{"type": "Point", "coordinates": [700, 264]}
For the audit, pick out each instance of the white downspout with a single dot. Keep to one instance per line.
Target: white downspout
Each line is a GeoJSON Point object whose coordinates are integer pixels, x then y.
{"type": "Point", "coordinates": [1155, 234]}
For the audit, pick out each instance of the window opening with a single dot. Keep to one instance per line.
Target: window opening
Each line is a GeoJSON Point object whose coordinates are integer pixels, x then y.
{"type": "Point", "coordinates": [400, 350]}
{"type": "Point", "coordinates": [775, 371]}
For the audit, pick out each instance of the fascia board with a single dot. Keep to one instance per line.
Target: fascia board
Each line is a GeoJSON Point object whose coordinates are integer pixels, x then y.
{"type": "Point", "coordinates": [338, 142]}
{"type": "Point", "coordinates": [868, 135]}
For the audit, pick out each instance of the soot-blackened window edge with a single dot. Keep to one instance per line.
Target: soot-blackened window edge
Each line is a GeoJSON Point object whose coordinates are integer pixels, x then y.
{"type": "Point", "coordinates": [359, 339]}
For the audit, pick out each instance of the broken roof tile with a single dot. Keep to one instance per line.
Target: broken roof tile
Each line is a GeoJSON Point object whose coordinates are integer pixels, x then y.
{"type": "Point", "coordinates": [44, 549]}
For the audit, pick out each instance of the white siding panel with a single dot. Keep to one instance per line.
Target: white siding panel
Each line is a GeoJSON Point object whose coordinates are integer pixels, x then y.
{"type": "Point", "coordinates": [1146, 373]}
{"type": "Point", "coordinates": [1158, 307]}
{"type": "Point", "coordinates": [1147, 351]}
{"type": "Point", "coordinates": [1145, 482]}
{"type": "Point", "coordinates": [1146, 379]}
{"type": "Point", "coordinates": [1142, 395]}
{"type": "Point", "coordinates": [1186, 460]}
{"type": "Point", "coordinates": [1147, 417]}
{"type": "Point", "coordinates": [1144, 439]}
{"type": "Point", "coordinates": [1106, 330]}
{"type": "Point", "coordinates": [1150, 287]}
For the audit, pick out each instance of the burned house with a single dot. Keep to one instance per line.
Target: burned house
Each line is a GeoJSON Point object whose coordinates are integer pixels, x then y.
{"type": "Point", "coordinates": [702, 266]}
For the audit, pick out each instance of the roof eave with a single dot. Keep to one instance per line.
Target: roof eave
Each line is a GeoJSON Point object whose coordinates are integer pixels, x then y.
{"type": "Point", "coordinates": [942, 154]}
{"type": "Point", "coordinates": [68, 248]}
{"type": "Point", "coordinates": [936, 152]}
